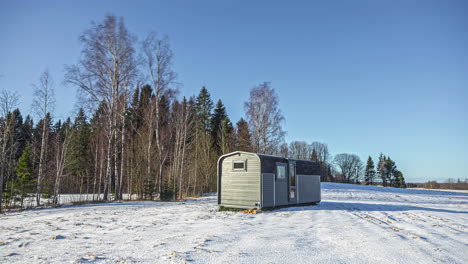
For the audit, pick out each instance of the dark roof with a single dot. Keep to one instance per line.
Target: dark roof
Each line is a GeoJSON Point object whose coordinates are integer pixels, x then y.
{"type": "Point", "coordinates": [303, 167]}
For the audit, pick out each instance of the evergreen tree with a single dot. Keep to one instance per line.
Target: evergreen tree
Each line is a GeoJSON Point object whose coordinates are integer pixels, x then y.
{"type": "Point", "coordinates": [390, 169]}
{"type": "Point", "coordinates": [79, 146]}
{"type": "Point", "coordinates": [19, 139]}
{"type": "Point", "coordinates": [399, 180]}
{"type": "Point", "coordinates": [381, 169]}
{"type": "Point", "coordinates": [205, 156]}
{"type": "Point", "coordinates": [369, 174]}
{"type": "Point", "coordinates": [221, 128]}
{"type": "Point", "coordinates": [27, 131]}
{"type": "Point", "coordinates": [145, 95]}
{"type": "Point", "coordinates": [204, 107]}
{"type": "Point", "coordinates": [314, 156]}
{"type": "Point", "coordinates": [243, 137]}
{"type": "Point", "coordinates": [134, 112]}
{"type": "Point", "coordinates": [23, 185]}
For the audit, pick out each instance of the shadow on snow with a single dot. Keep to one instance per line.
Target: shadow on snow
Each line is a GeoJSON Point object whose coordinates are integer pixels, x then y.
{"type": "Point", "coordinates": [345, 206]}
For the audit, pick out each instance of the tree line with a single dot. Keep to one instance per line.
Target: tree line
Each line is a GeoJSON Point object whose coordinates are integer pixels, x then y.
{"type": "Point", "coordinates": [449, 184]}
{"type": "Point", "coordinates": [135, 138]}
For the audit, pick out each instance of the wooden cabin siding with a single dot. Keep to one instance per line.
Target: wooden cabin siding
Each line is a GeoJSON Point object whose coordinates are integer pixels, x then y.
{"type": "Point", "coordinates": [240, 187]}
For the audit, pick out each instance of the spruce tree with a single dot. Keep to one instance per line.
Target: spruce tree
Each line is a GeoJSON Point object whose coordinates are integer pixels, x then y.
{"type": "Point", "coordinates": [79, 146]}
{"type": "Point", "coordinates": [243, 137]}
{"type": "Point", "coordinates": [23, 185]}
{"type": "Point", "coordinates": [204, 107]}
{"type": "Point", "coordinates": [381, 169]}
{"type": "Point", "coordinates": [145, 95]}
{"type": "Point", "coordinates": [399, 180]}
{"type": "Point", "coordinates": [314, 156]}
{"type": "Point", "coordinates": [205, 156]}
{"type": "Point", "coordinates": [221, 127]}
{"type": "Point", "coordinates": [390, 169]}
{"type": "Point", "coordinates": [369, 174]}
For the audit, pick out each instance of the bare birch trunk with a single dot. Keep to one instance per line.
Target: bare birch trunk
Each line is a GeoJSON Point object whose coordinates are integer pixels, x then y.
{"type": "Point", "coordinates": [95, 172]}
{"type": "Point", "coordinates": [183, 151]}
{"type": "Point", "coordinates": [150, 144]}
{"type": "Point", "coordinates": [122, 159]}
{"type": "Point", "coordinates": [109, 163]}
{"type": "Point", "coordinates": [101, 169]}
{"type": "Point", "coordinates": [41, 163]}
{"type": "Point", "coordinates": [61, 159]}
{"type": "Point", "coordinates": [116, 163]}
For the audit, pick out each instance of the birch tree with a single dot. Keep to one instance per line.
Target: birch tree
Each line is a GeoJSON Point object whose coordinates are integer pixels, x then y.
{"type": "Point", "coordinates": [62, 142]}
{"type": "Point", "coordinates": [44, 101]}
{"type": "Point", "coordinates": [106, 69]}
{"type": "Point", "coordinates": [265, 118]}
{"type": "Point", "coordinates": [299, 150]}
{"type": "Point", "coordinates": [323, 157]}
{"type": "Point", "coordinates": [158, 58]}
{"type": "Point", "coordinates": [350, 165]}
{"type": "Point", "coordinates": [8, 102]}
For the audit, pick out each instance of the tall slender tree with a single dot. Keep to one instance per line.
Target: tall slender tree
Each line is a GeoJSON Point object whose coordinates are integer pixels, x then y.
{"type": "Point", "coordinates": [44, 103]}
{"type": "Point", "coordinates": [8, 102]}
{"type": "Point", "coordinates": [105, 72]}
{"type": "Point", "coordinates": [204, 153]}
{"type": "Point", "coordinates": [265, 118]}
{"type": "Point", "coordinates": [221, 129]}
{"type": "Point", "coordinates": [381, 169]}
{"type": "Point", "coordinates": [77, 148]}
{"type": "Point", "coordinates": [23, 185]}
{"type": "Point", "coordinates": [369, 174]}
{"type": "Point", "coordinates": [159, 60]}
{"type": "Point", "coordinates": [243, 137]}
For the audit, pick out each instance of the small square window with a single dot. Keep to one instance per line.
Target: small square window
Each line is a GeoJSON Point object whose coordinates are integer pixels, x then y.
{"type": "Point", "coordinates": [239, 165]}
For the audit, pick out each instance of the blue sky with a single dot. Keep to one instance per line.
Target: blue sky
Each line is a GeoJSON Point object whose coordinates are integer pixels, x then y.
{"type": "Point", "coordinates": [363, 76]}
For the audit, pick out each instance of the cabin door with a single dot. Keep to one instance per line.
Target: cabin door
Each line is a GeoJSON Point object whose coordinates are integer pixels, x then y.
{"type": "Point", "coordinates": [292, 182]}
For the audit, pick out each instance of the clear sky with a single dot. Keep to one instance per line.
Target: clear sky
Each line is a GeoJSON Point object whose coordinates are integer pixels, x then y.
{"type": "Point", "coordinates": [363, 76]}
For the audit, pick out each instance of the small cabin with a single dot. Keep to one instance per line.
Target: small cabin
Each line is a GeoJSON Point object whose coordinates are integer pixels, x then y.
{"type": "Point", "coordinates": [250, 180]}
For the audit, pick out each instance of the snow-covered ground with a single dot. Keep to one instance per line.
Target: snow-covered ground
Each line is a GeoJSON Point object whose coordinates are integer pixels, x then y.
{"type": "Point", "coordinates": [352, 224]}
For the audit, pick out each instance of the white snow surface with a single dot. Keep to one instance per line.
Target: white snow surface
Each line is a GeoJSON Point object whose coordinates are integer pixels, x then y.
{"type": "Point", "coordinates": [352, 224]}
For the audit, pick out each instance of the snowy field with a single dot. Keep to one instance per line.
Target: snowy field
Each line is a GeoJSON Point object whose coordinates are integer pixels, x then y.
{"type": "Point", "coordinates": [352, 224]}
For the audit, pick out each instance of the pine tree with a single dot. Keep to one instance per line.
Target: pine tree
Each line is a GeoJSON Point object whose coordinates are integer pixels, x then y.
{"type": "Point", "coordinates": [381, 169]}
{"type": "Point", "coordinates": [79, 160]}
{"type": "Point", "coordinates": [390, 169]}
{"type": "Point", "coordinates": [204, 107]}
{"type": "Point", "coordinates": [221, 128]}
{"type": "Point", "coordinates": [26, 132]}
{"type": "Point", "coordinates": [314, 156]}
{"type": "Point", "coordinates": [399, 180]}
{"type": "Point", "coordinates": [369, 174]}
{"type": "Point", "coordinates": [23, 185]}
{"type": "Point", "coordinates": [243, 137]}
{"type": "Point", "coordinates": [205, 156]}
{"type": "Point", "coordinates": [134, 112]}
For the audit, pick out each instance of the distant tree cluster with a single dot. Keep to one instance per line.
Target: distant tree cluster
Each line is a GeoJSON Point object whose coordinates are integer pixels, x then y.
{"type": "Point", "coordinates": [385, 172]}
{"type": "Point", "coordinates": [315, 151]}
{"type": "Point", "coordinates": [449, 184]}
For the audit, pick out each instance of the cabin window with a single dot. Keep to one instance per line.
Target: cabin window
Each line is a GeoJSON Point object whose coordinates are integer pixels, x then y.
{"type": "Point", "coordinates": [281, 171]}
{"type": "Point", "coordinates": [239, 165]}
